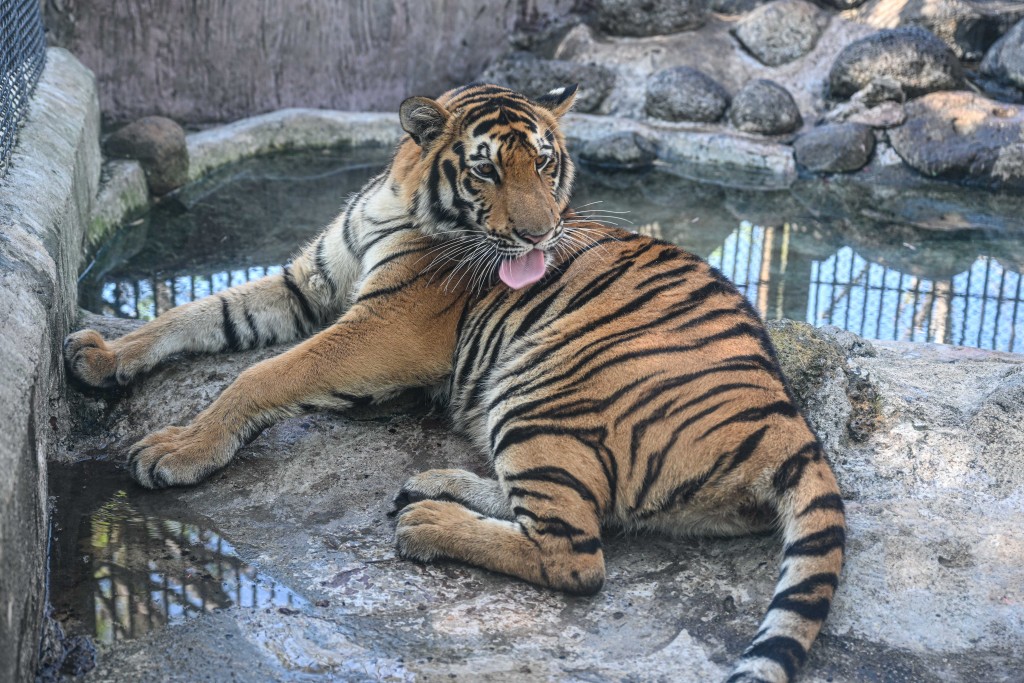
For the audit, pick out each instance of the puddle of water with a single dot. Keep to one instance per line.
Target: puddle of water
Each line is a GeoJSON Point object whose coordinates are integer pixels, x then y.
{"type": "Point", "coordinates": [882, 281]}
{"type": "Point", "coordinates": [125, 561]}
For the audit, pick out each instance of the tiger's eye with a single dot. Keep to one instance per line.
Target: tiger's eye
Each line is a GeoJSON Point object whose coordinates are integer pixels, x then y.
{"type": "Point", "coordinates": [542, 161]}
{"type": "Point", "coordinates": [484, 170]}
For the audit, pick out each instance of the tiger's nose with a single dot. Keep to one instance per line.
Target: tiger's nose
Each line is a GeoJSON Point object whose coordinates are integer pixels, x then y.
{"type": "Point", "coordinates": [534, 239]}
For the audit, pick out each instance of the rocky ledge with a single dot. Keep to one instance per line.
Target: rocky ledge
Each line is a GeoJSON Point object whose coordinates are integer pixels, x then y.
{"type": "Point", "coordinates": [905, 72]}
{"type": "Point", "coordinates": [925, 441]}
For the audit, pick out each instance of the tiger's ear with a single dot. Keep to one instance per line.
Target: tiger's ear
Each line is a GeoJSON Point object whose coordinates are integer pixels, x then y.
{"type": "Point", "coordinates": [559, 100]}
{"type": "Point", "coordinates": [423, 119]}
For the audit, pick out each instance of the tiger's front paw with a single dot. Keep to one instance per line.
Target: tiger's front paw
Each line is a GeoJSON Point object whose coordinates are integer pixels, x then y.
{"type": "Point", "coordinates": [90, 358]}
{"type": "Point", "coordinates": [431, 529]}
{"type": "Point", "coordinates": [178, 456]}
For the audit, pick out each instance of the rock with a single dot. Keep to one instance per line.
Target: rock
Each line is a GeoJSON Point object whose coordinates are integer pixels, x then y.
{"type": "Point", "coordinates": [781, 31]}
{"type": "Point", "coordinates": [968, 27]}
{"type": "Point", "coordinates": [879, 105]}
{"type": "Point", "coordinates": [159, 145]}
{"type": "Point", "coordinates": [620, 151]}
{"type": "Point", "coordinates": [839, 400]}
{"type": "Point", "coordinates": [934, 528]}
{"type": "Point", "coordinates": [534, 77]}
{"type": "Point", "coordinates": [1005, 60]}
{"type": "Point", "coordinates": [734, 6]}
{"type": "Point", "coordinates": [765, 107]}
{"type": "Point", "coordinates": [963, 136]}
{"type": "Point", "coordinates": [685, 94]}
{"type": "Point", "coordinates": [844, 4]}
{"type": "Point", "coordinates": [835, 148]}
{"type": "Point", "coordinates": [651, 17]}
{"type": "Point", "coordinates": [911, 56]}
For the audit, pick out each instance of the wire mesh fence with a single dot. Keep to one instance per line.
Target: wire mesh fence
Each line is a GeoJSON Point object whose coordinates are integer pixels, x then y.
{"type": "Point", "coordinates": [22, 56]}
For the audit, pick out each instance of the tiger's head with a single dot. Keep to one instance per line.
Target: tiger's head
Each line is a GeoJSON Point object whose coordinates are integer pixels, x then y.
{"type": "Point", "coordinates": [489, 173]}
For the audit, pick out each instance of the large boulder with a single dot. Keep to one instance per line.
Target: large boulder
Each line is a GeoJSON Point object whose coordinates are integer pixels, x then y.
{"type": "Point", "coordinates": [534, 77]}
{"type": "Point", "coordinates": [651, 17]}
{"type": "Point", "coordinates": [968, 27]}
{"type": "Point", "coordinates": [911, 56]}
{"type": "Point", "coordinates": [765, 107]}
{"type": "Point", "coordinates": [781, 31]}
{"type": "Point", "coordinates": [158, 144]}
{"type": "Point", "coordinates": [627, 150]}
{"type": "Point", "coordinates": [1005, 60]}
{"type": "Point", "coordinates": [963, 136]}
{"type": "Point", "coordinates": [685, 94]}
{"type": "Point", "coordinates": [835, 148]}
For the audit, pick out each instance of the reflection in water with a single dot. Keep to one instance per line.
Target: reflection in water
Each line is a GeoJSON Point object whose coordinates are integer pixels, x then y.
{"type": "Point", "coordinates": [132, 571]}
{"type": "Point", "coordinates": [884, 281]}
{"type": "Point", "coordinates": [979, 307]}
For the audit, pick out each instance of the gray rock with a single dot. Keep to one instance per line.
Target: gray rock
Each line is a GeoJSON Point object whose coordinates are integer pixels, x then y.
{"type": "Point", "coordinates": [1005, 60]}
{"type": "Point", "coordinates": [968, 27]}
{"type": "Point", "coordinates": [911, 56]}
{"type": "Point", "coordinates": [651, 17]}
{"type": "Point", "coordinates": [835, 147]}
{"type": "Point", "coordinates": [534, 77]}
{"type": "Point", "coordinates": [685, 94]}
{"type": "Point", "coordinates": [620, 150]}
{"type": "Point", "coordinates": [159, 145]}
{"type": "Point", "coordinates": [963, 136]}
{"type": "Point", "coordinates": [928, 489]}
{"type": "Point", "coordinates": [45, 200]}
{"type": "Point", "coordinates": [734, 6]}
{"type": "Point", "coordinates": [879, 105]}
{"type": "Point", "coordinates": [765, 107]}
{"type": "Point", "coordinates": [844, 4]}
{"type": "Point", "coordinates": [781, 31]}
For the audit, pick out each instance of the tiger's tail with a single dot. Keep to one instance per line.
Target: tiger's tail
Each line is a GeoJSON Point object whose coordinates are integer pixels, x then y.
{"type": "Point", "coordinates": [814, 533]}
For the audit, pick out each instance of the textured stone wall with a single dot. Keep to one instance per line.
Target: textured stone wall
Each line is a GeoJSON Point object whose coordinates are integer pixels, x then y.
{"type": "Point", "coordinates": [238, 58]}
{"type": "Point", "coordinates": [45, 201]}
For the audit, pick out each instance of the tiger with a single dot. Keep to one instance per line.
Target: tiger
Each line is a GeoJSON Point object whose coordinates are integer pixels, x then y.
{"type": "Point", "coordinates": [614, 381]}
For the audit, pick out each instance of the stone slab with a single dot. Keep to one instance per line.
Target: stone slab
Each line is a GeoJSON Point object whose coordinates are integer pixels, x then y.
{"type": "Point", "coordinates": [45, 202]}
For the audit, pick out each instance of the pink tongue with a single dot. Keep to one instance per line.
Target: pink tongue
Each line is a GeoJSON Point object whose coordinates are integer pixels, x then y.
{"type": "Point", "coordinates": [522, 271]}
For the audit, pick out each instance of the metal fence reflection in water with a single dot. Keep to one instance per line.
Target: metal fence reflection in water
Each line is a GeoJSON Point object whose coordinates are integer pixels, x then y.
{"type": "Point", "coordinates": [981, 307]}
{"type": "Point", "coordinates": [149, 571]}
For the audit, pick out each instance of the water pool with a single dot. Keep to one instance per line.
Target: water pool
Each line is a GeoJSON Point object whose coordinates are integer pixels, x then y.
{"type": "Point", "coordinates": [792, 257]}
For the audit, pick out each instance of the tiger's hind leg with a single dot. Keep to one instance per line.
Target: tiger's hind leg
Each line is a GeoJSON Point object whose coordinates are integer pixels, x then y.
{"type": "Point", "coordinates": [484, 496]}
{"type": "Point", "coordinates": [554, 538]}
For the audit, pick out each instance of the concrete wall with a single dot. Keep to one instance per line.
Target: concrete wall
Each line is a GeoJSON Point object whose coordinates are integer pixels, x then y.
{"type": "Point", "coordinates": [45, 201]}
{"type": "Point", "coordinates": [236, 58]}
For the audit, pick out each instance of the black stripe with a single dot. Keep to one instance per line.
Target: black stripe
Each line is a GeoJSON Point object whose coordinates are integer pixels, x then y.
{"type": "Point", "coordinates": [815, 609]}
{"type": "Point", "coordinates": [230, 331]}
{"type": "Point", "coordinates": [819, 543]}
{"type": "Point", "coordinates": [829, 501]}
{"type": "Point", "coordinates": [519, 492]}
{"type": "Point", "coordinates": [591, 546]}
{"type": "Point", "coordinates": [557, 476]}
{"type": "Point", "coordinates": [792, 470]}
{"type": "Point", "coordinates": [355, 400]}
{"type": "Point", "coordinates": [785, 651]}
{"type": "Point", "coordinates": [257, 341]}
{"type": "Point", "coordinates": [321, 264]}
{"type": "Point", "coordinates": [784, 408]}
{"type": "Point", "coordinates": [675, 274]}
{"type": "Point", "coordinates": [307, 311]}
{"type": "Point", "coordinates": [395, 256]}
